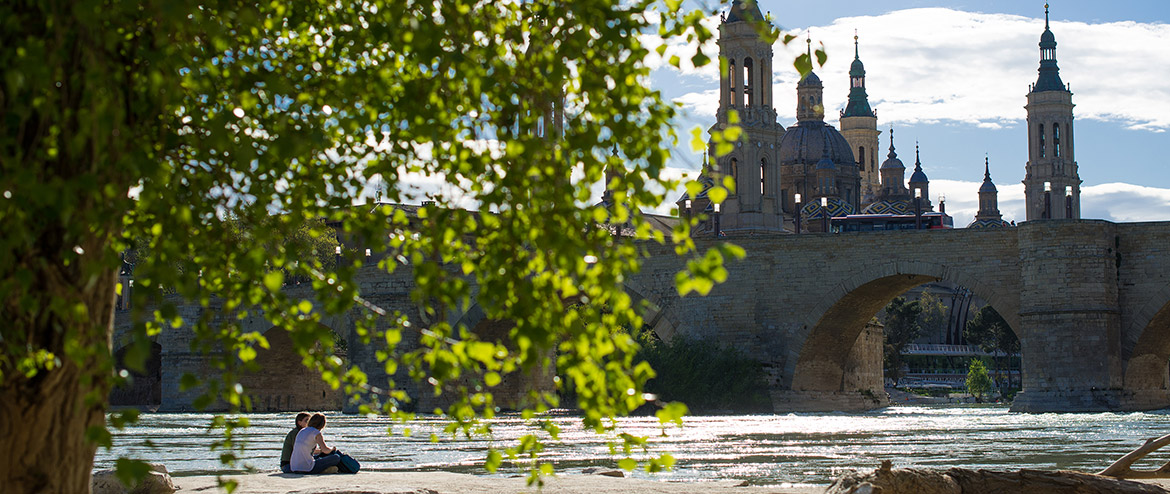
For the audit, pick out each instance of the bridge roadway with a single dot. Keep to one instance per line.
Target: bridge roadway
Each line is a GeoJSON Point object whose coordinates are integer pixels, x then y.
{"type": "Point", "coordinates": [1089, 300]}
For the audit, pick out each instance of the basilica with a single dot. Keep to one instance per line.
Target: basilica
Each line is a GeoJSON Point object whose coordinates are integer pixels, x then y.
{"type": "Point", "coordinates": [812, 171]}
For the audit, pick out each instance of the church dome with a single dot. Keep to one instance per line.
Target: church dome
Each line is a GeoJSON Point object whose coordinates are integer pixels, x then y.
{"type": "Point", "coordinates": [892, 162]}
{"type": "Point", "coordinates": [987, 186]}
{"type": "Point", "coordinates": [810, 80]}
{"type": "Point", "coordinates": [1047, 40]}
{"type": "Point", "coordinates": [837, 207]}
{"type": "Point", "coordinates": [857, 69]}
{"type": "Point", "coordinates": [806, 143]}
{"type": "Point", "coordinates": [918, 176]}
{"type": "Point", "coordinates": [989, 223]}
{"type": "Point", "coordinates": [888, 207]}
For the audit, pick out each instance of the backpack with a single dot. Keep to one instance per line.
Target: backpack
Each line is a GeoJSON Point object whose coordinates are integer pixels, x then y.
{"type": "Point", "coordinates": [348, 464]}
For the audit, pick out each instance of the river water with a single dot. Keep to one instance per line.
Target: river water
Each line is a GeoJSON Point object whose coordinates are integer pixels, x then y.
{"type": "Point", "coordinates": [793, 449]}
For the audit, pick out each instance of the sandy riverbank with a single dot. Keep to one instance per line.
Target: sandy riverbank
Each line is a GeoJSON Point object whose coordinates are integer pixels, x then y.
{"type": "Point", "coordinates": [455, 483]}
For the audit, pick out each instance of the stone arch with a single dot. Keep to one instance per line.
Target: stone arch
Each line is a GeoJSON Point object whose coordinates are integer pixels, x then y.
{"type": "Point", "coordinates": [834, 324]}
{"type": "Point", "coordinates": [142, 389]}
{"type": "Point", "coordinates": [656, 314]}
{"type": "Point", "coordinates": [514, 392]}
{"type": "Point", "coordinates": [1147, 346]}
{"type": "Point", "coordinates": [282, 383]}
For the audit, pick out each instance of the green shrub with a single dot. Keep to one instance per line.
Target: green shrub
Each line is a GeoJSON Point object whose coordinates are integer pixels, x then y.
{"type": "Point", "coordinates": [706, 376]}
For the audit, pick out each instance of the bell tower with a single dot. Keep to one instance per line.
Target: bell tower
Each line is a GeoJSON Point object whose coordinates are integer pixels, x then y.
{"type": "Point", "coordinates": [746, 89]}
{"type": "Point", "coordinates": [859, 127]}
{"type": "Point", "coordinates": [1052, 186]}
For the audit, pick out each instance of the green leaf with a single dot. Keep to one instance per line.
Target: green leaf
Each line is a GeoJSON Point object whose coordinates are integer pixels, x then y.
{"type": "Point", "coordinates": [492, 379]}
{"type": "Point", "coordinates": [717, 194]}
{"type": "Point", "coordinates": [273, 280]}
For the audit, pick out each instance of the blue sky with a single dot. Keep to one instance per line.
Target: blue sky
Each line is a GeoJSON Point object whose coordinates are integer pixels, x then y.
{"type": "Point", "coordinates": [954, 75]}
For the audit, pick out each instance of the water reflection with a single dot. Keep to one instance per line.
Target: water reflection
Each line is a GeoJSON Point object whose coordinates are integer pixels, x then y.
{"type": "Point", "coordinates": [759, 449]}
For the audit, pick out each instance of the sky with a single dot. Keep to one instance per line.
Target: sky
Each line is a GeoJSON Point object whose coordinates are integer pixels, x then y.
{"type": "Point", "coordinates": [954, 76]}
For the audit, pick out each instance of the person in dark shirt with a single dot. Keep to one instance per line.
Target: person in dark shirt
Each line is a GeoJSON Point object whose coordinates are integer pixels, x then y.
{"type": "Point", "coordinates": [291, 438]}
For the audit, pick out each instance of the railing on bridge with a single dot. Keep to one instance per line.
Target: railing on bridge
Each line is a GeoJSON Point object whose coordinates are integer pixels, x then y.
{"type": "Point", "coordinates": [946, 350]}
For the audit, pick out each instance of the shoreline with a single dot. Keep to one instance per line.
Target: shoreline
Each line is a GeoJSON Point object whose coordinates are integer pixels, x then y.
{"type": "Point", "coordinates": [462, 483]}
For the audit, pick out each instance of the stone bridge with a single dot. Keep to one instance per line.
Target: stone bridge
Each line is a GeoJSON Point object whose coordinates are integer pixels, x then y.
{"type": "Point", "coordinates": [1089, 300]}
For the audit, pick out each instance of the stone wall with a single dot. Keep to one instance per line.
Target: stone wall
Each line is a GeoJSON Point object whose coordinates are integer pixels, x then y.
{"type": "Point", "coordinates": [1089, 299]}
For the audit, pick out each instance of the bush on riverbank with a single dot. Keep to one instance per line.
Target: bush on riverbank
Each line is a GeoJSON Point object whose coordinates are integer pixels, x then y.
{"type": "Point", "coordinates": [708, 377]}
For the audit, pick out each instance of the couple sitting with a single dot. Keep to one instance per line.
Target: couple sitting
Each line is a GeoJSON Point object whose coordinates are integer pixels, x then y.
{"type": "Point", "coordinates": [305, 450]}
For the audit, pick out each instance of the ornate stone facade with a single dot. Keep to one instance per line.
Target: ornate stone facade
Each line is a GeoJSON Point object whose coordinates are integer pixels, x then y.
{"type": "Point", "coordinates": [859, 127]}
{"type": "Point", "coordinates": [1052, 186]}
{"type": "Point", "coordinates": [746, 90]}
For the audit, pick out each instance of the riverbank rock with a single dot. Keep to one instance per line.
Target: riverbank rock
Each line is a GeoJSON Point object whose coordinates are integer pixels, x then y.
{"type": "Point", "coordinates": [605, 472]}
{"type": "Point", "coordinates": [157, 481]}
{"type": "Point", "coordinates": [886, 480]}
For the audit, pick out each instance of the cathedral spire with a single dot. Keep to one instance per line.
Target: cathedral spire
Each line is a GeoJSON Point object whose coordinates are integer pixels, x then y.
{"type": "Point", "coordinates": [810, 95]}
{"type": "Point", "coordinates": [892, 155]}
{"type": "Point", "coordinates": [1049, 79]}
{"type": "Point", "coordinates": [858, 105]}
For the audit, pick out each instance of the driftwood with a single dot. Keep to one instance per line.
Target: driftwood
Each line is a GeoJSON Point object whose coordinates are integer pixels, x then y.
{"type": "Point", "coordinates": [1121, 468]}
{"type": "Point", "coordinates": [886, 480]}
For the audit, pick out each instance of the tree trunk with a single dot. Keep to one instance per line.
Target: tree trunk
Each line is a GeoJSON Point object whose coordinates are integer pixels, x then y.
{"type": "Point", "coordinates": [964, 481]}
{"type": "Point", "coordinates": [44, 419]}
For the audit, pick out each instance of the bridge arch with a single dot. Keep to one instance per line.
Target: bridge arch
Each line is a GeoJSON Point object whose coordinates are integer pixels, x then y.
{"type": "Point", "coordinates": [142, 389]}
{"type": "Point", "coordinates": [832, 326]}
{"type": "Point", "coordinates": [1147, 346]}
{"type": "Point", "coordinates": [283, 383]}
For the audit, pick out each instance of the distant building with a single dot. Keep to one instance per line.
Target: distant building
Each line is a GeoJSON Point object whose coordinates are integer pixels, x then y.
{"type": "Point", "coordinates": [1052, 186]}
{"type": "Point", "coordinates": [781, 174]}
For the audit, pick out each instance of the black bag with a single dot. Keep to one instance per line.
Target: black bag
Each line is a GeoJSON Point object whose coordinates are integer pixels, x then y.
{"type": "Point", "coordinates": [348, 464]}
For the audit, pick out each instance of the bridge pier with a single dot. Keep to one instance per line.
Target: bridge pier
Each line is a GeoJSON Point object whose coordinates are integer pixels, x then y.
{"type": "Point", "coordinates": [1070, 318]}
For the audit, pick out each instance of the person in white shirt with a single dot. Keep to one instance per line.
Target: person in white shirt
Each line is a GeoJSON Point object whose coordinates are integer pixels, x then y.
{"type": "Point", "coordinates": [310, 440]}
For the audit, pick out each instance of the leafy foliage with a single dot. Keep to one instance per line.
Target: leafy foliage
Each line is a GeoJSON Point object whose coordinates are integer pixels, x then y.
{"type": "Point", "coordinates": [210, 134]}
{"type": "Point", "coordinates": [933, 316]}
{"type": "Point", "coordinates": [991, 333]}
{"type": "Point", "coordinates": [901, 328]}
{"type": "Point", "coordinates": [978, 382]}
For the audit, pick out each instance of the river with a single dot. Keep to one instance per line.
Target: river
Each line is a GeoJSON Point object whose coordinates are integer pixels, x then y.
{"type": "Point", "coordinates": [793, 449]}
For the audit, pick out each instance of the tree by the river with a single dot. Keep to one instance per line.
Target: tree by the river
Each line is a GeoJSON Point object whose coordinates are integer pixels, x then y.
{"type": "Point", "coordinates": [978, 382]}
{"type": "Point", "coordinates": [901, 328]}
{"type": "Point", "coordinates": [933, 316]}
{"type": "Point", "coordinates": [991, 333]}
{"type": "Point", "coordinates": [157, 120]}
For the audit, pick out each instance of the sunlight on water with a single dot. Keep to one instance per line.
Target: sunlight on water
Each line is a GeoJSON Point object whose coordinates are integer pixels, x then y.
{"type": "Point", "coordinates": [759, 449]}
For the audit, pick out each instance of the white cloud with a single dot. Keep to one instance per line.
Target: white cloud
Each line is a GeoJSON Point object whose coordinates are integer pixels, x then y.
{"type": "Point", "coordinates": [701, 105]}
{"type": "Point", "coordinates": [936, 64]}
{"type": "Point", "coordinates": [1125, 202]}
{"type": "Point", "coordinates": [1117, 202]}
{"type": "Point", "coordinates": [684, 49]}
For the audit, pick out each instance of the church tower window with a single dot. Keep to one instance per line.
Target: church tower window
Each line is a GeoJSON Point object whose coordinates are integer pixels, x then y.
{"type": "Point", "coordinates": [861, 157]}
{"type": "Point", "coordinates": [1041, 140]}
{"type": "Point", "coordinates": [731, 84]}
{"type": "Point", "coordinates": [763, 175]}
{"type": "Point", "coordinates": [748, 86]}
{"type": "Point", "coordinates": [1056, 140]}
